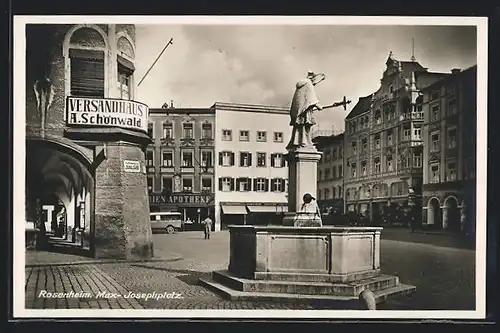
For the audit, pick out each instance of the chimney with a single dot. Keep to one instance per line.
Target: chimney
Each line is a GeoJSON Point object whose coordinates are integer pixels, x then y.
{"type": "Point", "coordinates": [455, 70]}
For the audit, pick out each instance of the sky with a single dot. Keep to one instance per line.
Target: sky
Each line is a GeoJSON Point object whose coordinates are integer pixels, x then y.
{"type": "Point", "coordinates": [261, 64]}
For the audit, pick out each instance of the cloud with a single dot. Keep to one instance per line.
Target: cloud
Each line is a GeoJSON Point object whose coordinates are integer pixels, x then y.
{"type": "Point", "coordinates": [260, 64]}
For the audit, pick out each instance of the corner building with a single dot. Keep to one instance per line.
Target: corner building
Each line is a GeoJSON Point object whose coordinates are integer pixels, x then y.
{"type": "Point", "coordinates": [250, 171]}
{"type": "Point", "coordinates": [180, 161]}
{"type": "Point", "coordinates": [383, 141]}
{"type": "Point", "coordinates": [450, 152]}
{"type": "Point", "coordinates": [86, 141]}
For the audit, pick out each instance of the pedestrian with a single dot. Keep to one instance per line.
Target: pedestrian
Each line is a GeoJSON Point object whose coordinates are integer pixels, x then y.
{"type": "Point", "coordinates": [208, 226]}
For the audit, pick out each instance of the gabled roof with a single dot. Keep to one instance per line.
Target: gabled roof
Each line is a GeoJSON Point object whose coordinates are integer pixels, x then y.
{"type": "Point", "coordinates": [361, 107]}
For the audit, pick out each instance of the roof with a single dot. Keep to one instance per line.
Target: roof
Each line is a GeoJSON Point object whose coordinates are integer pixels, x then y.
{"type": "Point", "coordinates": [322, 141]}
{"type": "Point", "coordinates": [361, 107]}
{"type": "Point", "coordinates": [471, 71]}
{"type": "Point", "coordinates": [407, 67]}
{"type": "Point", "coordinates": [251, 108]}
{"type": "Point", "coordinates": [181, 111]}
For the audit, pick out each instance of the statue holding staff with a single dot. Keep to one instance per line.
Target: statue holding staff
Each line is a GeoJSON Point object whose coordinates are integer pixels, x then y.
{"type": "Point", "coordinates": [304, 104]}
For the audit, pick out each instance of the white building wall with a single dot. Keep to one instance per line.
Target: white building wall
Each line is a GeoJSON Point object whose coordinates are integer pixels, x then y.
{"type": "Point", "coordinates": [252, 120]}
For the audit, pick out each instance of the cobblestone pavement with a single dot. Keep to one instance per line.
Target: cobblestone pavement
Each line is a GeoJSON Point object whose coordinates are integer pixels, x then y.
{"type": "Point", "coordinates": [444, 277]}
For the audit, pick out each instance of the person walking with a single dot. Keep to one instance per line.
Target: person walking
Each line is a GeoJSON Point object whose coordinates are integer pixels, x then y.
{"type": "Point", "coordinates": [208, 226]}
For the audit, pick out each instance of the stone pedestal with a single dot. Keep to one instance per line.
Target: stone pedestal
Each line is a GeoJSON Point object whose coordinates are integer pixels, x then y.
{"type": "Point", "coordinates": [305, 264]}
{"type": "Point", "coordinates": [302, 179]}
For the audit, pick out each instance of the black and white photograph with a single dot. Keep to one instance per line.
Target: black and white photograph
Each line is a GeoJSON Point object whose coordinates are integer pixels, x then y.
{"type": "Point", "coordinates": [259, 167]}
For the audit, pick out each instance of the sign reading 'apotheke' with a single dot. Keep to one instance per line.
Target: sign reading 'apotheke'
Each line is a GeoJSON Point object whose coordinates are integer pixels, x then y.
{"type": "Point", "coordinates": [106, 112]}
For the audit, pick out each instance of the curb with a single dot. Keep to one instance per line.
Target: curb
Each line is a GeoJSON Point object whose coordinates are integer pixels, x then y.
{"type": "Point", "coordinates": [106, 261]}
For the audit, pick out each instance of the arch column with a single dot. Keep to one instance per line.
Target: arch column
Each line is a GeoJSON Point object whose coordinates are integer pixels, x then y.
{"type": "Point", "coordinates": [445, 216]}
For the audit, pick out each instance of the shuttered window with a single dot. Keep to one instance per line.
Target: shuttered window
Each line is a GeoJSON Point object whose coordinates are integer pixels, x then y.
{"type": "Point", "coordinates": [87, 73]}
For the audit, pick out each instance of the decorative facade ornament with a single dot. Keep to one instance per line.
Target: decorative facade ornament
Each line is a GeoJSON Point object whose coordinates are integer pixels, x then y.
{"type": "Point", "coordinates": [44, 93]}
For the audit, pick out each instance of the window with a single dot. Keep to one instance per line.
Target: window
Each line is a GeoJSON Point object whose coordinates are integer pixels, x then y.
{"type": "Point", "coordinates": [334, 192]}
{"type": "Point", "coordinates": [417, 160]}
{"type": "Point", "coordinates": [206, 158]}
{"type": "Point", "coordinates": [334, 153]}
{"type": "Point", "coordinates": [244, 136]}
{"type": "Point", "coordinates": [124, 82]}
{"type": "Point", "coordinates": [353, 127]}
{"type": "Point", "coordinates": [168, 130]}
{"type": "Point", "coordinates": [261, 136]}
{"type": "Point", "coordinates": [327, 193]}
{"type": "Point", "coordinates": [243, 184]}
{"type": "Point", "coordinates": [434, 173]}
{"type": "Point", "coordinates": [362, 123]}
{"type": "Point", "coordinates": [327, 174]}
{"type": "Point", "coordinates": [150, 184]}
{"type": "Point", "coordinates": [206, 184]}
{"type": "Point", "coordinates": [417, 133]}
{"type": "Point", "coordinates": [364, 171]}
{"type": "Point", "coordinates": [435, 112]}
{"type": "Point", "coordinates": [435, 142]}
{"type": "Point", "coordinates": [435, 95]}
{"type": "Point", "coordinates": [261, 159]}
{"type": "Point", "coordinates": [451, 172]}
{"type": "Point", "coordinates": [277, 160]}
{"type": "Point", "coordinates": [187, 131]}
{"type": "Point", "coordinates": [150, 158]}
{"type": "Point", "coordinates": [377, 141]}
{"type": "Point", "coordinates": [341, 194]}
{"type": "Point", "coordinates": [227, 135]}
{"type": "Point", "coordinates": [187, 159]}
{"type": "Point", "coordinates": [261, 184]}
{"type": "Point", "coordinates": [206, 131]}
{"type": "Point", "coordinates": [327, 155]}
{"type": "Point", "coordinates": [150, 129]}
{"type": "Point", "coordinates": [278, 185]}
{"type": "Point", "coordinates": [167, 159]}
{"type": "Point", "coordinates": [166, 184]}
{"type": "Point", "coordinates": [226, 158]}
{"type": "Point", "coordinates": [340, 171]}
{"type": "Point", "coordinates": [278, 136]}
{"type": "Point", "coordinates": [364, 145]}
{"type": "Point", "coordinates": [389, 164]}
{"type": "Point", "coordinates": [452, 138]}
{"type": "Point", "coordinates": [391, 88]}
{"type": "Point", "coordinates": [452, 107]}
{"type": "Point", "coordinates": [406, 133]}
{"type": "Point", "coordinates": [87, 73]}
{"type": "Point", "coordinates": [353, 170]}
{"type": "Point", "coordinates": [376, 164]}
{"type": "Point", "coordinates": [353, 147]}
{"type": "Point", "coordinates": [187, 184]}
{"type": "Point", "coordinates": [378, 117]}
{"type": "Point", "coordinates": [320, 174]}
{"type": "Point", "coordinates": [389, 137]}
{"type": "Point", "coordinates": [226, 184]}
{"type": "Point", "coordinates": [245, 159]}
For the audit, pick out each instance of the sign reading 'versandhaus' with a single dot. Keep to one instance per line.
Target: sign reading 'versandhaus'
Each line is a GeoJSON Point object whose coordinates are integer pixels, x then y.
{"type": "Point", "coordinates": [85, 111]}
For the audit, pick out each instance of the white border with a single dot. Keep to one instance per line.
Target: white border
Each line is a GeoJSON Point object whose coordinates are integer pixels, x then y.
{"type": "Point", "coordinates": [19, 166]}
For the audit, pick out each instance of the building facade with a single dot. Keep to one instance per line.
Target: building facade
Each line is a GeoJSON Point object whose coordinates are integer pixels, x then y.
{"type": "Point", "coordinates": [330, 174]}
{"type": "Point", "coordinates": [383, 142]}
{"type": "Point", "coordinates": [449, 159]}
{"type": "Point", "coordinates": [180, 161]}
{"type": "Point", "coordinates": [86, 140]}
{"type": "Point", "coordinates": [251, 172]}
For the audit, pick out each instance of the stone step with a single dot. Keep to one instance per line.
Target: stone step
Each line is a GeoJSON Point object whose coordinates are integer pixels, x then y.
{"type": "Point", "coordinates": [299, 287]}
{"type": "Point", "coordinates": [330, 301]}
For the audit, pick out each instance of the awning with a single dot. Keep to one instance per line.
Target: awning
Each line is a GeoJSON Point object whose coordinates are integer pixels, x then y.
{"type": "Point", "coordinates": [267, 209]}
{"type": "Point", "coordinates": [233, 210]}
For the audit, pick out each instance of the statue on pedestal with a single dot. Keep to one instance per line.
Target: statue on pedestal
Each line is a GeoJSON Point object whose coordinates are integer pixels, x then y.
{"type": "Point", "coordinates": [304, 104]}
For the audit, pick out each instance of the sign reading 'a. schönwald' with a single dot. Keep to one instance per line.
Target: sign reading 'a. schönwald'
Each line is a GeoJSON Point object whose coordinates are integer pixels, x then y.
{"type": "Point", "coordinates": [85, 111]}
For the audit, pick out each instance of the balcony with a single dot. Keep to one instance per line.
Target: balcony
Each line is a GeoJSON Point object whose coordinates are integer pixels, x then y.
{"type": "Point", "coordinates": [167, 142]}
{"type": "Point", "coordinates": [412, 116]}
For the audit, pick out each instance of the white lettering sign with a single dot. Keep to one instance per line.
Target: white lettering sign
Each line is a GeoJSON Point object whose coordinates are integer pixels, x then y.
{"type": "Point", "coordinates": [131, 166]}
{"type": "Point", "coordinates": [84, 111]}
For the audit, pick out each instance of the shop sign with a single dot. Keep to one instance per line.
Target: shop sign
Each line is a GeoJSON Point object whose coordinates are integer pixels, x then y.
{"type": "Point", "coordinates": [106, 112]}
{"type": "Point", "coordinates": [202, 199]}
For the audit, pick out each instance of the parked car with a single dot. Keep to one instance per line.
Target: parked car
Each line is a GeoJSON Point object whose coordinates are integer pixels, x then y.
{"type": "Point", "coordinates": [168, 222]}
